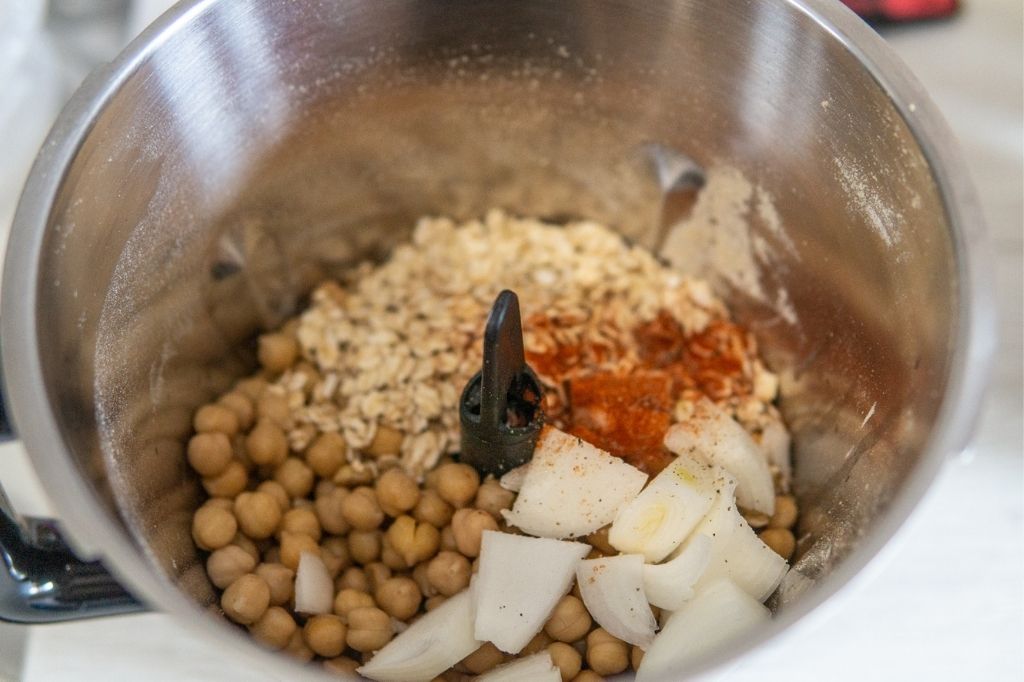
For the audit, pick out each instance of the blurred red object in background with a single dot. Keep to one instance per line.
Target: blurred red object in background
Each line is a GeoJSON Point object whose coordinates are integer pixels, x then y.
{"type": "Point", "coordinates": [903, 10]}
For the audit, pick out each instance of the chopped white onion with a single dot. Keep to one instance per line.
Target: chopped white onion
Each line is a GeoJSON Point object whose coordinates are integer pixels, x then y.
{"type": "Point", "coordinates": [667, 510]}
{"type": "Point", "coordinates": [437, 641]}
{"type": "Point", "coordinates": [314, 589]}
{"type": "Point", "coordinates": [571, 488]}
{"type": "Point", "coordinates": [717, 616]}
{"type": "Point", "coordinates": [513, 479]}
{"type": "Point", "coordinates": [535, 668]}
{"type": "Point", "coordinates": [519, 581]}
{"type": "Point", "coordinates": [711, 433]}
{"type": "Point", "coordinates": [670, 584]}
{"type": "Point", "coordinates": [613, 591]}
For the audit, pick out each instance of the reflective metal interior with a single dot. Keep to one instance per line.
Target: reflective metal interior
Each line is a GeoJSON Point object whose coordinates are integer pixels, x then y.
{"type": "Point", "coordinates": [244, 151]}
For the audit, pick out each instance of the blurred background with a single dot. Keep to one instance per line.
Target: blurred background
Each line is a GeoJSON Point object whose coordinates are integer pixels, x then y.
{"type": "Point", "coordinates": [946, 599]}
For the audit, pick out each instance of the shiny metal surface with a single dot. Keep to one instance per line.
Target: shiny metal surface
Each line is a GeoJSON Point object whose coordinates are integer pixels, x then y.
{"type": "Point", "coordinates": [237, 152]}
{"type": "Point", "coordinates": [42, 581]}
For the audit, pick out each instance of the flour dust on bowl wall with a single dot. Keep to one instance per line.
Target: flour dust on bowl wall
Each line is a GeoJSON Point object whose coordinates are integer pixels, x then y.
{"type": "Point", "coordinates": [486, 340]}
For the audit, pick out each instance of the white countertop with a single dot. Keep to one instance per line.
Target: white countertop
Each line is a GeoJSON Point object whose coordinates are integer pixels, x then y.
{"type": "Point", "coordinates": [945, 601]}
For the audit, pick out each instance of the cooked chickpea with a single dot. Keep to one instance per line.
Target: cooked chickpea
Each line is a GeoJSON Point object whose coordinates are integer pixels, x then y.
{"type": "Point", "coordinates": [486, 658]}
{"type": "Point", "coordinates": [492, 498]}
{"type": "Point", "coordinates": [277, 491]}
{"type": "Point", "coordinates": [209, 453]}
{"type": "Point", "coordinates": [448, 573]}
{"type": "Point", "coordinates": [334, 552]}
{"type": "Point", "coordinates": [273, 408]}
{"type": "Point", "coordinates": [215, 419]}
{"type": "Point", "coordinates": [220, 503]}
{"type": "Point", "coordinates": [433, 510]}
{"type": "Point", "coordinates": [240, 404]}
{"type": "Point", "coordinates": [342, 665]}
{"type": "Point", "coordinates": [360, 509]}
{"type": "Point", "coordinates": [457, 483]}
{"type": "Point", "coordinates": [328, 511]}
{"type": "Point", "coordinates": [399, 597]}
{"type": "Point", "coordinates": [397, 492]}
{"type": "Point", "coordinates": [311, 374]}
{"type": "Point", "coordinates": [327, 454]}
{"type": "Point", "coordinates": [566, 659]}
{"type": "Point", "coordinates": [295, 477]}
{"type": "Point", "coordinates": [785, 512]}
{"type": "Point", "coordinates": [599, 541]}
{"type": "Point", "coordinates": [229, 483]}
{"type": "Point", "coordinates": [246, 599]}
{"type": "Point", "coordinates": [389, 557]}
{"type": "Point", "coordinates": [213, 527]}
{"type": "Point", "coordinates": [364, 546]}
{"type": "Point", "coordinates": [354, 578]}
{"type": "Point", "coordinates": [636, 655]}
{"type": "Point", "coordinates": [251, 387]}
{"type": "Point", "coordinates": [386, 441]}
{"type": "Point", "coordinates": [780, 540]}
{"type": "Point", "coordinates": [325, 635]}
{"type": "Point", "coordinates": [588, 676]}
{"type": "Point", "coordinates": [415, 542]}
{"type": "Point", "coordinates": [419, 574]}
{"type": "Point", "coordinates": [369, 629]}
{"type": "Point", "coordinates": [448, 540]}
{"type": "Point", "coordinates": [258, 514]}
{"type": "Point", "coordinates": [301, 520]}
{"type": "Point", "coordinates": [606, 655]}
{"type": "Point", "coordinates": [348, 599]}
{"type": "Point", "coordinates": [281, 581]}
{"type": "Point", "coordinates": [539, 642]}
{"type": "Point", "coordinates": [274, 628]}
{"type": "Point", "coordinates": [348, 476]}
{"type": "Point", "coordinates": [228, 564]}
{"type": "Point", "coordinates": [468, 526]}
{"type": "Point", "coordinates": [297, 647]}
{"type": "Point", "coordinates": [277, 352]}
{"type": "Point", "coordinates": [434, 602]}
{"type": "Point", "coordinates": [293, 545]}
{"type": "Point", "coordinates": [569, 621]}
{"type": "Point", "coordinates": [246, 545]}
{"type": "Point", "coordinates": [376, 574]}
{"type": "Point", "coordinates": [266, 444]}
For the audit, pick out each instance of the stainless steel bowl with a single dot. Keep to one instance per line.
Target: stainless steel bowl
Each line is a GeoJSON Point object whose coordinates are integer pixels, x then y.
{"type": "Point", "coordinates": [237, 152]}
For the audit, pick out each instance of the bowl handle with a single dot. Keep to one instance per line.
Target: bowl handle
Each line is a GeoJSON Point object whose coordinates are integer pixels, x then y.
{"type": "Point", "coordinates": [41, 579]}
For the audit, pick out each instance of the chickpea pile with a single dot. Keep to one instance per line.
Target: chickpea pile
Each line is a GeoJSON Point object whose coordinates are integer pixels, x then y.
{"type": "Point", "coordinates": [394, 547]}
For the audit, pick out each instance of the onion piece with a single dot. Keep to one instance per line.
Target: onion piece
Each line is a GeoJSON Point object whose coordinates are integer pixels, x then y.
{"type": "Point", "coordinates": [535, 668]}
{"type": "Point", "coordinates": [571, 488]}
{"type": "Point", "coordinates": [736, 551]}
{"type": "Point", "coordinates": [519, 581]}
{"type": "Point", "coordinates": [513, 478]}
{"type": "Point", "coordinates": [314, 589]}
{"type": "Point", "coordinates": [670, 584]}
{"type": "Point", "coordinates": [667, 510]}
{"type": "Point", "coordinates": [710, 432]}
{"type": "Point", "coordinates": [747, 561]}
{"type": "Point", "coordinates": [437, 641]}
{"type": "Point", "coordinates": [717, 616]}
{"type": "Point", "coordinates": [613, 591]}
